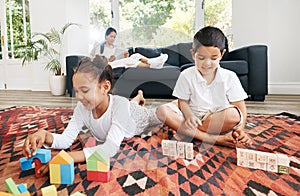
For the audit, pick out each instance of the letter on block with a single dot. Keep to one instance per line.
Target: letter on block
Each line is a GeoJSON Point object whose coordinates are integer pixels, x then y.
{"type": "Point", "coordinates": [49, 190]}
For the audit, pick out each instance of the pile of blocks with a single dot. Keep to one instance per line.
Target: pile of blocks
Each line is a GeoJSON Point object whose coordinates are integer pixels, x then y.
{"type": "Point", "coordinates": [279, 163]}
{"type": "Point", "coordinates": [177, 149]}
{"type": "Point", "coordinates": [14, 189]}
{"type": "Point", "coordinates": [98, 167]}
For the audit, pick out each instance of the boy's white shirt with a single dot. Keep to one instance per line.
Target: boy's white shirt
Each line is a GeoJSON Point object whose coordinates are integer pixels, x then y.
{"type": "Point", "coordinates": [110, 129]}
{"type": "Point", "coordinates": [224, 89]}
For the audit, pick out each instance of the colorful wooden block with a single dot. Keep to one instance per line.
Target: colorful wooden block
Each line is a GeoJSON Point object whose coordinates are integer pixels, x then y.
{"type": "Point", "coordinates": [165, 147]}
{"type": "Point", "coordinates": [11, 186]}
{"type": "Point", "coordinates": [37, 165]}
{"type": "Point", "coordinates": [283, 162]}
{"type": "Point", "coordinates": [98, 161]}
{"type": "Point", "coordinates": [24, 194]}
{"type": "Point", "coordinates": [6, 194]}
{"type": "Point", "coordinates": [181, 150]}
{"type": "Point", "coordinates": [189, 151]}
{"type": "Point", "coordinates": [44, 155]}
{"type": "Point", "coordinates": [77, 194]}
{"type": "Point", "coordinates": [177, 149]}
{"type": "Point", "coordinates": [49, 191]}
{"type": "Point", "coordinates": [22, 188]}
{"type": "Point", "coordinates": [61, 169]}
{"type": "Point", "coordinates": [98, 176]}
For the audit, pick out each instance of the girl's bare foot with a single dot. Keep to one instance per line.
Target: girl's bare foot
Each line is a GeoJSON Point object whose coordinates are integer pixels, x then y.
{"type": "Point", "coordinates": [139, 98]}
{"type": "Point", "coordinates": [241, 137]}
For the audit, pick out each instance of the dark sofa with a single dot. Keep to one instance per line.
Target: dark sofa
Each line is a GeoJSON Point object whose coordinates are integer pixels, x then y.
{"type": "Point", "coordinates": [249, 63]}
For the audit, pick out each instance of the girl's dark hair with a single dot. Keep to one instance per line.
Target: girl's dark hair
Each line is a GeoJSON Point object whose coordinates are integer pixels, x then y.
{"type": "Point", "coordinates": [109, 30]}
{"type": "Point", "coordinates": [98, 67]}
{"type": "Point", "coordinates": [210, 36]}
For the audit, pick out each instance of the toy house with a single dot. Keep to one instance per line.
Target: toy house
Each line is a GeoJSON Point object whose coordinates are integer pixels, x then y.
{"type": "Point", "coordinates": [61, 169]}
{"type": "Point", "coordinates": [98, 167]}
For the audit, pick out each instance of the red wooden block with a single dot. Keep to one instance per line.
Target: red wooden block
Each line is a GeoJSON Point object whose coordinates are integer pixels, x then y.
{"type": "Point", "coordinates": [98, 176]}
{"type": "Point", "coordinates": [37, 165]}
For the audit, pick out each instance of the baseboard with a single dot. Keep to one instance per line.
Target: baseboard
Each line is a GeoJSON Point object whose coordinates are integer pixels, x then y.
{"type": "Point", "coordinates": [284, 88]}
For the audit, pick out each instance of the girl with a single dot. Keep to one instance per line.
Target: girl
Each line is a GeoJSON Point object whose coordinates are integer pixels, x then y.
{"type": "Point", "coordinates": [109, 118]}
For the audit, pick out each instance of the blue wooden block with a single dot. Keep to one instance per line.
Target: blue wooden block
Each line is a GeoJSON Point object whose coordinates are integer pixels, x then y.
{"type": "Point", "coordinates": [67, 173]}
{"type": "Point", "coordinates": [22, 188]}
{"type": "Point", "coordinates": [44, 155]}
{"type": "Point", "coordinates": [25, 164]}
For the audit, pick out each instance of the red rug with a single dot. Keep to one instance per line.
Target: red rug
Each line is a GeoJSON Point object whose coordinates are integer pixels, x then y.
{"type": "Point", "coordinates": [139, 168]}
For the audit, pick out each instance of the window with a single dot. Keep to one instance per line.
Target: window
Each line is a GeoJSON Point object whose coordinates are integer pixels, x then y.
{"type": "Point", "coordinates": [155, 23]}
{"type": "Point", "coordinates": [15, 27]}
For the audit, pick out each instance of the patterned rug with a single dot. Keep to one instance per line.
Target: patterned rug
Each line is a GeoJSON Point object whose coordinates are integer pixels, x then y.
{"type": "Point", "coordinates": [139, 168]}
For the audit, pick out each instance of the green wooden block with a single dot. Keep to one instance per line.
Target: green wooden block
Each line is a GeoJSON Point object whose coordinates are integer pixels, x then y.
{"type": "Point", "coordinates": [77, 194]}
{"type": "Point", "coordinates": [91, 165]}
{"type": "Point", "coordinates": [11, 186]}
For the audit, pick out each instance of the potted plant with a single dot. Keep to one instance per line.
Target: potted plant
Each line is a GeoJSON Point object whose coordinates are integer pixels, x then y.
{"type": "Point", "coordinates": [48, 45]}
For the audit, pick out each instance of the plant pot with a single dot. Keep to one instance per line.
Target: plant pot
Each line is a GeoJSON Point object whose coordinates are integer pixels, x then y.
{"type": "Point", "coordinates": [57, 85]}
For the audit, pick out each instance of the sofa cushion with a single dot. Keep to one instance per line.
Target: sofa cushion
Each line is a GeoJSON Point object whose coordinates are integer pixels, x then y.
{"type": "Point", "coordinates": [173, 56]}
{"type": "Point", "coordinates": [148, 52]}
{"type": "Point", "coordinates": [184, 53]}
{"type": "Point", "coordinates": [240, 67]}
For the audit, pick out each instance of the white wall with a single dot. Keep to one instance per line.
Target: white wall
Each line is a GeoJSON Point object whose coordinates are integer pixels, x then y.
{"type": "Point", "coordinates": [274, 23]}
{"type": "Point", "coordinates": [45, 14]}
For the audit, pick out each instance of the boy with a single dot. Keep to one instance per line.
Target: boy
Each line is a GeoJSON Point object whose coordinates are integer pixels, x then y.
{"type": "Point", "coordinates": [210, 98]}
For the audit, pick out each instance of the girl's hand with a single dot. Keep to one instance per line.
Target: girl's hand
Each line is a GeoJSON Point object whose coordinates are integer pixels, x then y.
{"type": "Point", "coordinates": [33, 142]}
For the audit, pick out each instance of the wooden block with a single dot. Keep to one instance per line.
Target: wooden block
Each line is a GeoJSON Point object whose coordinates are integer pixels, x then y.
{"type": "Point", "coordinates": [165, 147]}
{"type": "Point", "coordinates": [37, 165]}
{"type": "Point", "coordinates": [22, 188]}
{"type": "Point", "coordinates": [6, 194]}
{"type": "Point", "coordinates": [181, 150]}
{"type": "Point", "coordinates": [241, 154]}
{"type": "Point", "coordinates": [283, 164]}
{"type": "Point", "coordinates": [98, 176]}
{"type": "Point", "coordinates": [23, 194]}
{"type": "Point", "coordinates": [25, 164]}
{"type": "Point", "coordinates": [49, 191]}
{"type": "Point", "coordinates": [54, 173]}
{"type": "Point", "coordinates": [77, 194]}
{"type": "Point", "coordinates": [91, 165]}
{"type": "Point", "coordinates": [103, 166]}
{"type": "Point", "coordinates": [61, 169]}
{"type": "Point", "coordinates": [251, 155]}
{"type": "Point", "coordinates": [44, 155]}
{"type": "Point", "coordinates": [262, 157]}
{"type": "Point", "coordinates": [11, 186]}
{"type": "Point", "coordinates": [62, 158]}
{"type": "Point", "coordinates": [98, 161]}
{"type": "Point", "coordinates": [67, 173]}
{"type": "Point", "coordinates": [172, 145]}
{"type": "Point", "coordinates": [189, 151]}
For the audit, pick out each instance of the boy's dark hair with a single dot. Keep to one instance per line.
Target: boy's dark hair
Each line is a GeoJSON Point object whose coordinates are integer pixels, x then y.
{"type": "Point", "coordinates": [98, 67]}
{"type": "Point", "coordinates": [209, 36]}
{"type": "Point", "coordinates": [109, 30]}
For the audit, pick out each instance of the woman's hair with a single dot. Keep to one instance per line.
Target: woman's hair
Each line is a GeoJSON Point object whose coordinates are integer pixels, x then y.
{"type": "Point", "coordinates": [98, 67]}
{"type": "Point", "coordinates": [109, 30]}
{"type": "Point", "coordinates": [209, 36]}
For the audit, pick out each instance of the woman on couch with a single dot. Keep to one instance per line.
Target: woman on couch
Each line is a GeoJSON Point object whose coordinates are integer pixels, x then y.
{"type": "Point", "coordinates": [118, 57]}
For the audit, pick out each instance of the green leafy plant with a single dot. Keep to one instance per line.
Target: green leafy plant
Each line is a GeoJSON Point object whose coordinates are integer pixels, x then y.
{"type": "Point", "coordinates": [48, 45]}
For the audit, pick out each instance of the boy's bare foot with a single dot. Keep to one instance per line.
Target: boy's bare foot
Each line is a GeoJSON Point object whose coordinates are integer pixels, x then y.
{"type": "Point", "coordinates": [241, 137]}
{"type": "Point", "coordinates": [139, 98]}
{"type": "Point", "coordinates": [226, 140]}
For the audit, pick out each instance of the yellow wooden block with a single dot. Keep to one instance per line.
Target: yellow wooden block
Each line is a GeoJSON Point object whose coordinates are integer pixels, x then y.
{"type": "Point", "coordinates": [5, 194]}
{"type": "Point", "coordinates": [102, 166]}
{"type": "Point", "coordinates": [23, 194]}
{"type": "Point", "coordinates": [49, 191]}
{"type": "Point", "coordinates": [61, 158]}
{"type": "Point", "coordinates": [54, 173]}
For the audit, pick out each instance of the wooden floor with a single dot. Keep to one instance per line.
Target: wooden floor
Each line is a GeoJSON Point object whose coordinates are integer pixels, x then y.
{"type": "Point", "coordinates": [273, 104]}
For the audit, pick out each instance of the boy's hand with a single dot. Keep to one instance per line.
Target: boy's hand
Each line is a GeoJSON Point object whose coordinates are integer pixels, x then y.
{"type": "Point", "coordinates": [192, 122]}
{"type": "Point", "coordinates": [33, 142]}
